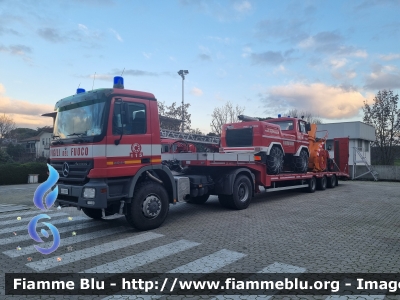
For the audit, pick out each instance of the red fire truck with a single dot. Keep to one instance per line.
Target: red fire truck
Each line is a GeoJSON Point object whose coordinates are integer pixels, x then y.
{"type": "Point", "coordinates": [107, 150]}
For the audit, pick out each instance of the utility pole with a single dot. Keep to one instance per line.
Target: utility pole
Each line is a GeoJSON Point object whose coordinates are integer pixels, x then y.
{"type": "Point", "coordinates": [182, 73]}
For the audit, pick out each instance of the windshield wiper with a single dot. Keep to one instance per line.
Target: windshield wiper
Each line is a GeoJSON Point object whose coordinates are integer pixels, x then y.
{"type": "Point", "coordinates": [78, 134]}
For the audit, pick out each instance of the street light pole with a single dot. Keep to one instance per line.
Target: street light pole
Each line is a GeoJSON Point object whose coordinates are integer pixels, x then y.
{"type": "Point", "coordinates": [182, 73]}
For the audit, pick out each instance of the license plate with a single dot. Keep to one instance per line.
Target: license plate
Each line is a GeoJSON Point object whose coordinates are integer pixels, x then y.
{"type": "Point", "coordinates": [64, 191]}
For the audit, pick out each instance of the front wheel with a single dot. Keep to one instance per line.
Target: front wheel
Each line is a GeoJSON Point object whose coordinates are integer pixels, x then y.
{"type": "Point", "coordinates": [300, 163]}
{"type": "Point", "coordinates": [275, 161]}
{"type": "Point", "coordinates": [149, 206]}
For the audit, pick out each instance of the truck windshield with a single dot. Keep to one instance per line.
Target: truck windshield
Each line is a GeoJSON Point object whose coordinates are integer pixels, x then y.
{"type": "Point", "coordinates": [285, 125]}
{"type": "Point", "coordinates": [80, 119]}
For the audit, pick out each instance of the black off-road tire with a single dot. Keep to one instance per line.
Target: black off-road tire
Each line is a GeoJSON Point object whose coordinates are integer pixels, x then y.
{"type": "Point", "coordinates": [149, 206]}
{"type": "Point", "coordinates": [321, 183]}
{"type": "Point", "coordinates": [200, 199]}
{"type": "Point", "coordinates": [275, 161]}
{"type": "Point", "coordinates": [94, 213]}
{"type": "Point", "coordinates": [332, 181]}
{"type": "Point", "coordinates": [300, 163]}
{"type": "Point", "coordinates": [312, 185]}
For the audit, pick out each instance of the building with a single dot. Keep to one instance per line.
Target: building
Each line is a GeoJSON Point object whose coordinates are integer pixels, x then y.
{"type": "Point", "coordinates": [360, 135]}
{"type": "Point", "coordinates": [39, 146]}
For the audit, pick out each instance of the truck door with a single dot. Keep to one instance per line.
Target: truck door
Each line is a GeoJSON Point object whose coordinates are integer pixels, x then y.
{"type": "Point", "coordinates": [129, 136]}
{"type": "Point", "coordinates": [301, 134]}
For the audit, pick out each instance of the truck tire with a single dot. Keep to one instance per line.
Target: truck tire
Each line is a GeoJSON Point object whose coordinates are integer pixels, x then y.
{"type": "Point", "coordinates": [225, 201]}
{"type": "Point", "coordinates": [332, 181]}
{"type": "Point", "coordinates": [312, 185]}
{"type": "Point", "coordinates": [275, 161]}
{"type": "Point", "coordinates": [321, 183]}
{"type": "Point", "coordinates": [200, 199]}
{"type": "Point", "coordinates": [94, 213]}
{"type": "Point", "coordinates": [242, 193]}
{"type": "Point", "coordinates": [300, 163]}
{"type": "Point", "coordinates": [149, 206]}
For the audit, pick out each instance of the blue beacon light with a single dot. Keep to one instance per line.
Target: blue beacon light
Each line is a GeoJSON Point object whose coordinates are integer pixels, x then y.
{"type": "Point", "coordinates": [80, 90]}
{"type": "Point", "coordinates": [279, 115]}
{"type": "Point", "coordinates": [118, 82]}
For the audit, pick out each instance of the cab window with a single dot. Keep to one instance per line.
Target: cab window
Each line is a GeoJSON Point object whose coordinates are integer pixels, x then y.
{"type": "Point", "coordinates": [136, 119]}
{"type": "Point", "coordinates": [302, 127]}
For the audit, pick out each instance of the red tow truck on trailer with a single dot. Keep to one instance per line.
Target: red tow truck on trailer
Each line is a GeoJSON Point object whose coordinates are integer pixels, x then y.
{"type": "Point", "coordinates": [107, 150]}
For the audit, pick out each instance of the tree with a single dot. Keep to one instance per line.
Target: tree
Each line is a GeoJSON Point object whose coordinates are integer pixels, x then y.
{"type": "Point", "coordinates": [15, 151]}
{"type": "Point", "coordinates": [223, 115]}
{"type": "Point", "coordinates": [175, 112]}
{"type": "Point", "coordinates": [4, 157]}
{"type": "Point", "coordinates": [22, 133]}
{"type": "Point", "coordinates": [384, 115]}
{"type": "Point", "coordinates": [6, 125]}
{"type": "Point", "coordinates": [308, 116]}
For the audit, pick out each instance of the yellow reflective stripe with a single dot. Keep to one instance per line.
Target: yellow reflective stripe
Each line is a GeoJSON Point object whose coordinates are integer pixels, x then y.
{"type": "Point", "coordinates": [138, 161]}
{"type": "Point", "coordinates": [129, 162]}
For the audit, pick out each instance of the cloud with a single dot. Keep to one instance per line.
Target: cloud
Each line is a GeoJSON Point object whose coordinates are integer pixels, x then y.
{"type": "Point", "coordinates": [219, 10]}
{"type": "Point", "coordinates": [338, 63]}
{"type": "Point", "coordinates": [127, 72]}
{"type": "Point", "coordinates": [330, 42]}
{"type": "Point", "coordinates": [20, 50]}
{"type": "Point", "coordinates": [225, 40]}
{"type": "Point", "coordinates": [330, 102]}
{"type": "Point", "coordinates": [196, 91]}
{"type": "Point", "coordinates": [246, 52]}
{"type": "Point", "coordinates": [283, 29]}
{"type": "Point", "coordinates": [243, 6]}
{"type": "Point", "coordinates": [24, 113]}
{"type": "Point", "coordinates": [82, 34]}
{"type": "Point", "coordinates": [116, 34]}
{"type": "Point", "coordinates": [205, 57]}
{"type": "Point", "coordinates": [51, 35]}
{"type": "Point", "coordinates": [147, 54]}
{"type": "Point", "coordinates": [269, 57]}
{"type": "Point", "coordinates": [383, 77]}
{"type": "Point", "coordinates": [391, 56]}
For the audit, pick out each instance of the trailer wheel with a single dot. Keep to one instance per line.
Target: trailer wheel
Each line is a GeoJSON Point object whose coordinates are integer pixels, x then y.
{"type": "Point", "coordinates": [312, 185]}
{"type": "Point", "coordinates": [95, 213]}
{"type": "Point", "coordinates": [149, 206]}
{"type": "Point", "coordinates": [275, 161]}
{"type": "Point", "coordinates": [332, 181]}
{"type": "Point", "coordinates": [242, 193]}
{"type": "Point", "coordinates": [321, 183]}
{"type": "Point", "coordinates": [225, 201]}
{"type": "Point", "coordinates": [200, 199]}
{"type": "Point", "coordinates": [300, 163]}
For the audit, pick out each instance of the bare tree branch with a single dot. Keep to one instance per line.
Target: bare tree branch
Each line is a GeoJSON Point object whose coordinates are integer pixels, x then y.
{"type": "Point", "coordinates": [224, 115]}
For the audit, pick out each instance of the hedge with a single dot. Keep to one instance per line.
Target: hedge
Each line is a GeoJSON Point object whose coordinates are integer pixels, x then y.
{"type": "Point", "coordinates": [13, 173]}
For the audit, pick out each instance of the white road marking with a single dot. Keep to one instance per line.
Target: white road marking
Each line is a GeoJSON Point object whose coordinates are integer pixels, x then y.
{"type": "Point", "coordinates": [75, 256]}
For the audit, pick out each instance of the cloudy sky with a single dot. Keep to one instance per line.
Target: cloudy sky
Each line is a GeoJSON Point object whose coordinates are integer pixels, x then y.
{"type": "Point", "coordinates": [325, 57]}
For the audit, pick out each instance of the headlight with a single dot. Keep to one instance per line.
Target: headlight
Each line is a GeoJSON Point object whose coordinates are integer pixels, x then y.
{"type": "Point", "coordinates": [89, 193]}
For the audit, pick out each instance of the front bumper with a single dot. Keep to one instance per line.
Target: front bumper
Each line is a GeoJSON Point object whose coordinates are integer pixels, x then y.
{"type": "Point", "coordinates": [72, 195]}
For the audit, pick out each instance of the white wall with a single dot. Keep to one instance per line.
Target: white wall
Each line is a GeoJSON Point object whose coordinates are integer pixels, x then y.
{"type": "Point", "coordinates": [43, 145]}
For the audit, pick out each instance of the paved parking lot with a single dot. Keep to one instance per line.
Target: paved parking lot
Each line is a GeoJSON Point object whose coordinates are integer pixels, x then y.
{"type": "Point", "coordinates": [353, 228]}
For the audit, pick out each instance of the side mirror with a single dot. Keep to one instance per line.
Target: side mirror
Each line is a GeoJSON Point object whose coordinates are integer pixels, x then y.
{"type": "Point", "coordinates": [308, 127]}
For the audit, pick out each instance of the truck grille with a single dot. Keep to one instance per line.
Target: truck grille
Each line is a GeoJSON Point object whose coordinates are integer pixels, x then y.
{"type": "Point", "coordinates": [77, 170]}
{"type": "Point", "coordinates": [239, 137]}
